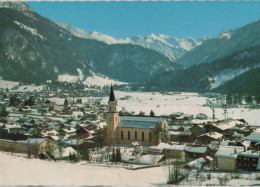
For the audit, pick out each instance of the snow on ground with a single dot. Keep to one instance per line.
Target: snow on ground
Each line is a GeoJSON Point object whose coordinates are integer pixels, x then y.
{"type": "Point", "coordinates": [92, 80]}
{"type": "Point", "coordinates": [188, 103]}
{"type": "Point", "coordinates": [229, 74]}
{"type": "Point", "coordinates": [8, 84]}
{"type": "Point", "coordinates": [101, 81]}
{"type": "Point", "coordinates": [14, 86]}
{"type": "Point", "coordinates": [22, 171]}
{"type": "Point", "coordinates": [31, 30]}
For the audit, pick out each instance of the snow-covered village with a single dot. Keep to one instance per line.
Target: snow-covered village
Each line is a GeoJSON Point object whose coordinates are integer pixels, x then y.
{"type": "Point", "coordinates": [116, 132]}
{"type": "Point", "coordinates": [127, 108]}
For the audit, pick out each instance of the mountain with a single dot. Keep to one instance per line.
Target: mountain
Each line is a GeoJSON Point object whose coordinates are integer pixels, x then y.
{"type": "Point", "coordinates": [225, 44]}
{"type": "Point", "coordinates": [236, 72]}
{"type": "Point", "coordinates": [169, 46]}
{"type": "Point", "coordinates": [34, 49]}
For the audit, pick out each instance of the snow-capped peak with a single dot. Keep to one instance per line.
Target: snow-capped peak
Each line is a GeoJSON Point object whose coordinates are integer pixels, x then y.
{"type": "Point", "coordinates": [225, 34]}
{"type": "Point", "coordinates": [20, 6]}
{"type": "Point", "coordinates": [167, 45]}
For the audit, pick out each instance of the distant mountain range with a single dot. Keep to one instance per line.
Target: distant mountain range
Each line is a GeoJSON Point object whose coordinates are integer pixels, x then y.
{"type": "Point", "coordinates": [225, 44]}
{"type": "Point", "coordinates": [33, 49]}
{"type": "Point", "coordinates": [171, 47]}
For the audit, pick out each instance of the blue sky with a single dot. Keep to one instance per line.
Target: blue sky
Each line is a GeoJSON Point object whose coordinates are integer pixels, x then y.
{"type": "Point", "coordinates": [126, 19]}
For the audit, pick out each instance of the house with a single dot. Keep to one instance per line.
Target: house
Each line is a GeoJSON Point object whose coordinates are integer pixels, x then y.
{"type": "Point", "coordinates": [197, 130]}
{"type": "Point", "coordinates": [196, 152]}
{"type": "Point", "coordinates": [33, 146]}
{"type": "Point", "coordinates": [248, 160]}
{"type": "Point", "coordinates": [201, 116]}
{"type": "Point", "coordinates": [148, 130]}
{"type": "Point", "coordinates": [174, 151]}
{"type": "Point", "coordinates": [179, 136]}
{"type": "Point", "coordinates": [226, 157]}
{"type": "Point", "coordinates": [210, 136]}
{"type": "Point", "coordinates": [254, 137]}
{"type": "Point", "coordinates": [199, 163]}
{"type": "Point", "coordinates": [226, 127]}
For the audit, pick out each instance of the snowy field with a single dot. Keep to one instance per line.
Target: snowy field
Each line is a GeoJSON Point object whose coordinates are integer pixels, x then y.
{"type": "Point", "coordinates": [188, 103]}
{"type": "Point", "coordinates": [23, 171]}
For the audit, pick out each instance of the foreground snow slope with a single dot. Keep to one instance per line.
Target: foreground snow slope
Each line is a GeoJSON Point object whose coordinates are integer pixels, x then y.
{"type": "Point", "coordinates": [22, 171]}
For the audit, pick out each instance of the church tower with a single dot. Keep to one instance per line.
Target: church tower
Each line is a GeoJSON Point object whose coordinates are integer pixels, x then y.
{"type": "Point", "coordinates": [112, 119]}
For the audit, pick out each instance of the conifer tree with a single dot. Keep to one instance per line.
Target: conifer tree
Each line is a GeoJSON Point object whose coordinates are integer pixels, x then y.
{"type": "Point", "coordinates": [118, 155]}
{"type": "Point", "coordinates": [113, 159]}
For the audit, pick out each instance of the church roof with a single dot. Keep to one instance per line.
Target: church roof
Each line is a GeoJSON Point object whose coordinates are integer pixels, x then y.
{"type": "Point", "coordinates": [112, 95]}
{"type": "Point", "coordinates": [139, 122]}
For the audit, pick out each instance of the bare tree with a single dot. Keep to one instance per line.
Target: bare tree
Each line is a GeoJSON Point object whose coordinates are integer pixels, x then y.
{"type": "Point", "coordinates": [176, 174]}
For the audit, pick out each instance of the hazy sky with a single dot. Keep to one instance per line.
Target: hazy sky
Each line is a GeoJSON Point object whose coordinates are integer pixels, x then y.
{"type": "Point", "coordinates": [126, 19]}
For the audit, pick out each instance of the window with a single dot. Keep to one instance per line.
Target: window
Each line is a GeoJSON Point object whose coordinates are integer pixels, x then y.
{"type": "Point", "coordinates": [116, 119]}
{"type": "Point", "coordinates": [135, 135]}
{"type": "Point", "coordinates": [128, 135]}
{"type": "Point", "coordinates": [122, 134]}
{"type": "Point", "coordinates": [142, 136]}
{"type": "Point", "coordinates": [110, 119]}
{"type": "Point", "coordinates": [150, 136]}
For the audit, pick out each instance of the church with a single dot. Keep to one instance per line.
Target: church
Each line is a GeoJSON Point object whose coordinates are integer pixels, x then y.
{"type": "Point", "coordinates": [123, 130]}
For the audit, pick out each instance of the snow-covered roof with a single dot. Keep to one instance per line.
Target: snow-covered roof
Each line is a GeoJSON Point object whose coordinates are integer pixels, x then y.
{"type": "Point", "coordinates": [160, 146]}
{"type": "Point", "coordinates": [175, 132]}
{"type": "Point", "coordinates": [237, 135]}
{"type": "Point", "coordinates": [200, 150]}
{"type": "Point", "coordinates": [199, 121]}
{"type": "Point", "coordinates": [254, 137]}
{"type": "Point", "coordinates": [72, 141]}
{"type": "Point", "coordinates": [148, 159]}
{"type": "Point", "coordinates": [197, 164]}
{"type": "Point", "coordinates": [56, 138]}
{"type": "Point", "coordinates": [175, 147]}
{"type": "Point", "coordinates": [70, 130]}
{"type": "Point", "coordinates": [32, 141]}
{"type": "Point", "coordinates": [250, 153]}
{"type": "Point", "coordinates": [174, 128]}
{"type": "Point", "coordinates": [139, 122]}
{"type": "Point", "coordinates": [229, 151]}
{"type": "Point", "coordinates": [214, 135]}
{"type": "Point", "coordinates": [229, 124]}
{"type": "Point", "coordinates": [65, 152]}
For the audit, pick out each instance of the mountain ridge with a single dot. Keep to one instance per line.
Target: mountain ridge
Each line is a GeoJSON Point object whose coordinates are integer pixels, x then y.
{"type": "Point", "coordinates": [169, 46]}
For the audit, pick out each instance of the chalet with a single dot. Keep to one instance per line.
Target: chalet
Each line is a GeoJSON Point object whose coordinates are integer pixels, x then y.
{"type": "Point", "coordinates": [210, 136]}
{"type": "Point", "coordinates": [196, 152]}
{"type": "Point", "coordinates": [197, 130]}
{"type": "Point", "coordinates": [226, 157]}
{"type": "Point", "coordinates": [248, 160]}
{"type": "Point", "coordinates": [174, 151]}
{"type": "Point", "coordinates": [254, 137]}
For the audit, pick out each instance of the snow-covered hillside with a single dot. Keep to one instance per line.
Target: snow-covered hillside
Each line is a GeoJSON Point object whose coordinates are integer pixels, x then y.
{"type": "Point", "coordinates": [229, 74]}
{"type": "Point", "coordinates": [170, 46]}
{"type": "Point", "coordinates": [92, 80]}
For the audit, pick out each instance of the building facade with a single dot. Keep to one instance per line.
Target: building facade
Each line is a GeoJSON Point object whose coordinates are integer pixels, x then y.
{"type": "Point", "coordinates": [149, 131]}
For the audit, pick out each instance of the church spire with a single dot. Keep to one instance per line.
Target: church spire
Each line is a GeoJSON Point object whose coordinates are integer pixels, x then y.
{"type": "Point", "coordinates": [112, 95]}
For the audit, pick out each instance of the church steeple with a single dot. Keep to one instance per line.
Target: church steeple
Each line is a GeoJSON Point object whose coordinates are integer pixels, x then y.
{"type": "Point", "coordinates": [112, 119]}
{"type": "Point", "coordinates": [112, 95]}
